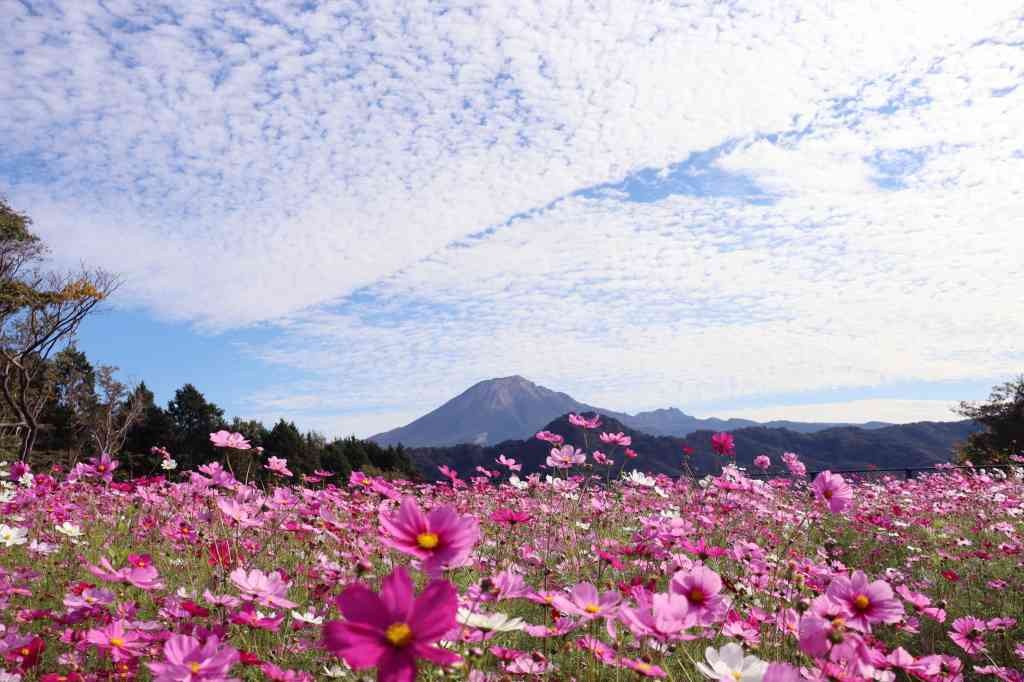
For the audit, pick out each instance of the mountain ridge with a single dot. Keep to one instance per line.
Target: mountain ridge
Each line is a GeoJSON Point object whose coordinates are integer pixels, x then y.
{"type": "Point", "coordinates": [513, 407]}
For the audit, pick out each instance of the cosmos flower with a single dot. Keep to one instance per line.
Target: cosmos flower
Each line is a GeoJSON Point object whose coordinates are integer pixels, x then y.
{"type": "Point", "coordinates": [440, 539]}
{"type": "Point", "coordinates": [266, 589]}
{"type": "Point", "coordinates": [188, 659]}
{"type": "Point", "coordinates": [868, 602]}
{"type": "Point", "coordinates": [394, 629]}
{"type": "Point", "coordinates": [724, 444]}
{"type": "Point", "coordinates": [584, 601]}
{"type": "Point", "coordinates": [227, 439]}
{"type": "Point", "coordinates": [565, 457]}
{"type": "Point", "coordinates": [278, 465]}
{"type": "Point", "coordinates": [762, 462]}
{"type": "Point", "coordinates": [728, 664]}
{"type": "Point", "coordinates": [834, 490]}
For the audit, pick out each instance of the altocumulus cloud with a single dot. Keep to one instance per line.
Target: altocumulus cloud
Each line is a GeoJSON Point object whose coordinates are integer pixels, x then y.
{"type": "Point", "coordinates": [635, 201]}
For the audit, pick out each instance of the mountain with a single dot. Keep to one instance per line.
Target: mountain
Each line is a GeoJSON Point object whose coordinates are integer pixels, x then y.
{"type": "Point", "coordinates": [515, 408]}
{"type": "Point", "coordinates": [488, 412]}
{"type": "Point", "coordinates": [921, 444]}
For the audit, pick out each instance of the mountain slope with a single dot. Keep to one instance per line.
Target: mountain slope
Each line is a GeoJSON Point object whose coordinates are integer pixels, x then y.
{"type": "Point", "coordinates": [487, 412]}
{"type": "Point", "coordinates": [921, 444]}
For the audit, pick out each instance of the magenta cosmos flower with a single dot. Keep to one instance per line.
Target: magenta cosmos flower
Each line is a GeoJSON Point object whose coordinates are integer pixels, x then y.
{"type": "Point", "coordinates": [440, 539]}
{"type": "Point", "coordinates": [723, 444]}
{"type": "Point", "coordinates": [834, 490]}
{"type": "Point", "coordinates": [969, 634]}
{"type": "Point", "coordinates": [121, 643]}
{"type": "Point", "coordinates": [390, 631]}
{"type": "Point", "coordinates": [185, 658]}
{"type": "Point", "coordinates": [867, 602]}
{"type": "Point", "coordinates": [227, 439]}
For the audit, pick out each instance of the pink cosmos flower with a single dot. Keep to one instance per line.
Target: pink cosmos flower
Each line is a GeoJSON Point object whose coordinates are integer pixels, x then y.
{"type": "Point", "coordinates": [552, 438]}
{"type": "Point", "coordinates": [565, 457]}
{"type": "Point", "coordinates": [969, 634]}
{"type": "Point", "coordinates": [122, 644]}
{"type": "Point", "coordinates": [616, 439]}
{"type": "Point", "coordinates": [781, 672]}
{"type": "Point", "coordinates": [602, 458]}
{"type": "Point", "coordinates": [267, 589]}
{"type": "Point", "coordinates": [762, 462]}
{"type": "Point", "coordinates": [584, 601]}
{"type": "Point", "coordinates": [104, 466]}
{"type": "Point", "coordinates": [585, 423]}
{"type": "Point", "coordinates": [509, 463]}
{"type": "Point", "coordinates": [662, 615]}
{"type": "Point", "coordinates": [186, 659]}
{"type": "Point", "coordinates": [440, 539]}
{"type": "Point", "coordinates": [793, 463]}
{"type": "Point", "coordinates": [834, 490]}
{"type": "Point", "coordinates": [227, 439]}
{"type": "Point", "coordinates": [390, 631]}
{"type": "Point", "coordinates": [278, 465]}
{"type": "Point", "coordinates": [867, 602]}
{"type": "Point", "coordinates": [723, 444]}
{"type": "Point", "coordinates": [700, 586]}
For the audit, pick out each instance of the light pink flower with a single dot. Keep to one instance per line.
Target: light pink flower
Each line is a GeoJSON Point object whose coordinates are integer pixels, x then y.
{"type": "Point", "coordinates": [121, 643]}
{"type": "Point", "coordinates": [969, 634]}
{"type": "Point", "coordinates": [509, 463]}
{"type": "Point", "coordinates": [278, 465]}
{"type": "Point", "coordinates": [700, 586]}
{"type": "Point", "coordinates": [584, 601]}
{"type": "Point", "coordinates": [565, 457]}
{"type": "Point", "coordinates": [227, 439]}
{"type": "Point", "coordinates": [553, 438]}
{"type": "Point", "coordinates": [267, 589]}
{"type": "Point", "coordinates": [762, 462]}
{"type": "Point", "coordinates": [616, 439]}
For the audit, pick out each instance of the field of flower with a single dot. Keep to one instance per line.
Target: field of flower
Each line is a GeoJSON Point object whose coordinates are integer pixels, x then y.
{"type": "Point", "coordinates": [581, 574]}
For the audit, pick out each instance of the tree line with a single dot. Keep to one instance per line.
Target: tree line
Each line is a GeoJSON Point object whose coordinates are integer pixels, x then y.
{"type": "Point", "coordinates": [56, 407]}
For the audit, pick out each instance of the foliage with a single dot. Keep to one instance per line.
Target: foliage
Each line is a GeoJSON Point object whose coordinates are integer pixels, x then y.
{"type": "Point", "coordinates": [1003, 418]}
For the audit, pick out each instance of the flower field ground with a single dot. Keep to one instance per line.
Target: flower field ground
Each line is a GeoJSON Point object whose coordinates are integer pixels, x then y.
{"type": "Point", "coordinates": [198, 576]}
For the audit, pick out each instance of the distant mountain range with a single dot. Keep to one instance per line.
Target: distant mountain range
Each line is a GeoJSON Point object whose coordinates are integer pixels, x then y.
{"type": "Point", "coordinates": [513, 408]}
{"type": "Point", "coordinates": [922, 444]}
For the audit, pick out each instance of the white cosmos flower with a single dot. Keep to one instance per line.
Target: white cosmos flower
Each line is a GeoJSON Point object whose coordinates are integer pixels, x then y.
{"type": "Point", "coordinates": [308, 617]}
{"type": "Point", "coordinates": [637, 478]}
{"type": "Point", "coordinates": [6, 496]}
{"type": "Point", "coordinates": [518, 483]}
{"type": "Point", "coordinates": [27, 480]}
{"type": "Point", "coordinates": [728, 664]}
{"type": "Point", "coordinates": [69, 529]}
{"type": "Point", "coordinates": [168, 465]}
{"type": "Point", "coordinates": [492, 622]}
{"type": "Point", "coordinates": [11, 536]}
{"type": "Point", "coordinates": [42, 547]}
{"type": "Point", "coordinates": [335, 671]}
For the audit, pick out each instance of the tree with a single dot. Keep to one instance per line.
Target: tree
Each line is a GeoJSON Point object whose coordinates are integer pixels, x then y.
{"type": "Point", "coordinates": [39, 313]}
{"type": "Point", "coordinates": [108, 414]}
{"type": "Point", "coordinates": [193, 419]}
{"type": "Point", "coordinates": [154, 427]}
{"type": "Point", "coordinates": [1003, 419]}
{"type": "Point", "coordinates": [74, 381]}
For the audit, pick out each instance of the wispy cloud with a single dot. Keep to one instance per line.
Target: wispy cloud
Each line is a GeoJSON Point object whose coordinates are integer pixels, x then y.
{"type": "Point", "coordinates": [642, 203]}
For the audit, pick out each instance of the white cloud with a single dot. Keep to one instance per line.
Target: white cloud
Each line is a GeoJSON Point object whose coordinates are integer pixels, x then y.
{"type": "Point", "coordinates": [856, 411]}
{"type": "Point", "coordinates": [243, 167]}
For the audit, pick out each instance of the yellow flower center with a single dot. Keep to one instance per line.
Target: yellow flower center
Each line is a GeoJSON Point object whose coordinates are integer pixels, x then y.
{"type": "Point", "coordinates": [861, 601]}
{"type": "Point", "coordinates": [194, 667]}
{"type": "Point", "coordinates": [399, 634]}
{"type": "Point", "coordinates": [25, 651]}
{"type": "Point", "coordinates": [591, 608]}
{"type": "Point", "coordinates": [116, 641]}
{"type": "Point", "coordinates": [427, 540]}
{"type": "Point", "coordinates": [643, 667]}
{"type": "Point", "coordinates": [737, 675]}
{"type": "Point", "coordinates": [696, 595]}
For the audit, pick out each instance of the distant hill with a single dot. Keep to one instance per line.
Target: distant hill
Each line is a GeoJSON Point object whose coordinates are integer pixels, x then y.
{"type": "Point", "coordinates": [847, 447]}
{"type": "Point", "coordinates": [515, 408]}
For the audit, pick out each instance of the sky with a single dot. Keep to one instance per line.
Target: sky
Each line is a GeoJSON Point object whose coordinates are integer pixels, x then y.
{"type": "Point", "coordinates": [346, 213]}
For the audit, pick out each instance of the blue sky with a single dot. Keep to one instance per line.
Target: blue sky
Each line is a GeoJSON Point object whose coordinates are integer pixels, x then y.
{"type": "Point", "coordinates": [345, 214]}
